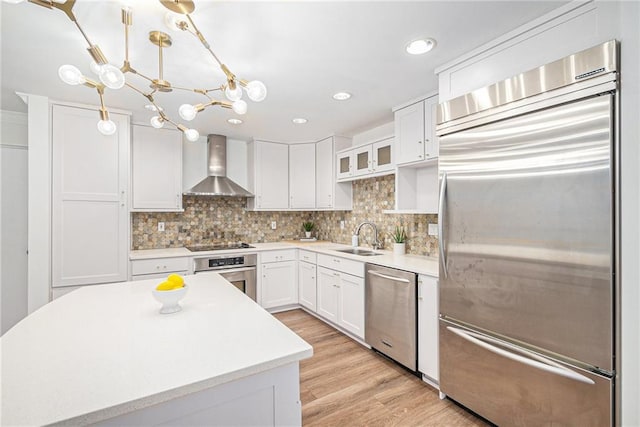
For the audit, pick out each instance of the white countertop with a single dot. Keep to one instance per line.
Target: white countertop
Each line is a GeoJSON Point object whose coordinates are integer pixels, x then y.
{"type": "Point", "coordinates": [104, 350]}
{"type": "Point", "coordinates": [415, 263]}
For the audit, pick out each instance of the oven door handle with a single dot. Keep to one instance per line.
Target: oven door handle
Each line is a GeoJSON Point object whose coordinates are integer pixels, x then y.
{"type": "Point", "coordinates": [230, 270]}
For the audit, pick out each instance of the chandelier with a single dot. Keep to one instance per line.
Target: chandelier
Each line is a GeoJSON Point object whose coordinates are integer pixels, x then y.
{"type": "Point", "coordinates": [111, 77]}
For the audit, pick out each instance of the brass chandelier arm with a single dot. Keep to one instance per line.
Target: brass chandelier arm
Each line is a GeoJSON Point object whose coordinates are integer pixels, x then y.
{"type": "Point", "coordinates": [230, 76]}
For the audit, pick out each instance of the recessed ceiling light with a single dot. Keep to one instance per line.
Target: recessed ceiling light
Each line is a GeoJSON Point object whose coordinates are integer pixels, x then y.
{"type": "Point", "coordinates": [418, 47]}
{"type": "Point", "coordinates": [341, 96]}
{"type": "Point", "coordinates": [234, 121]}
{"type": "Point", "coordinates": [299, 121]}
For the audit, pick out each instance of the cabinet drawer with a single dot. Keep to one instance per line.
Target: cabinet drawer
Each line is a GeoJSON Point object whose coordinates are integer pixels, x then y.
{"type": "Point", "coordinates": [354, 268]}
{"type": "Point", "coordinates": [159, 265]}
{"type": "Point", "coordinates": [277, 256]}
{"type": "Point", "coordinates": [307, 256]}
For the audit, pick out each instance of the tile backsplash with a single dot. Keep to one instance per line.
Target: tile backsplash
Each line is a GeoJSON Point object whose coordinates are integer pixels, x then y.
{"type": "Point", "coordinates": [226, 219]}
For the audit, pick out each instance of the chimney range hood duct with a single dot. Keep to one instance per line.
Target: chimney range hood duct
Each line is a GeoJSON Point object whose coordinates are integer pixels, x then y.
{"type": "Point", "coordinates": [217, 183]}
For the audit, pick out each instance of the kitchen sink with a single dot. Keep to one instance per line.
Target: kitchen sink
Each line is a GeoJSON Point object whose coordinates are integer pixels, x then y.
{"type": "Point", "coordinates": [358, 251]}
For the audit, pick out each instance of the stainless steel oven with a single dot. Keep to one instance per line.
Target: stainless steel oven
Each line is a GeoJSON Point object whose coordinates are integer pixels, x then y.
{"type": "Point", "coordinates": [240, 270]}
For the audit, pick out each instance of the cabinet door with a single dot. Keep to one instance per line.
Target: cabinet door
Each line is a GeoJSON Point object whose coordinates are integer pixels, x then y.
{"type": "Point", "coordinates": [409, 133]}
{"type": "Point", "coordinates": [307, 285]}
{"type": "Point", "coordinates": [156, 167]}
{"type": "Point", "coordinates": [363, 160]}
{"type": "Point", "coordinates": [383, 155]}
{"type": "Point", "coordinates": [279, 285]}
{"type": "Point", "coordinates": [90, 215]}
{"type": "Point", "coordinates": [324, 173]}
{"type": "Point", "coordinates": [327, 302]}
{"type": "Point", "coordinates": [428, 326]}
{"type": "Point", "coordinates": [351, 304]}
{"type": "Point", "coordinates": [272, 175]}
{"type": "Point", "coordinates": [302, 176]}
{"type": "Point", "coordinates": [431, 145]}
{"type": "Point", "coordinates": [345, 165]}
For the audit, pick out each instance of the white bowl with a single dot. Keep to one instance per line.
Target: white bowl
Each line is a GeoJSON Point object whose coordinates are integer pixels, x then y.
{"type": "Point", "coordinates": [170, 299]}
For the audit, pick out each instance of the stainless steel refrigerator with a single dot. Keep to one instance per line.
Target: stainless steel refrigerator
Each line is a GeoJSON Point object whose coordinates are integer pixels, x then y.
{"type": "Point", "coordinates": [528, 220]}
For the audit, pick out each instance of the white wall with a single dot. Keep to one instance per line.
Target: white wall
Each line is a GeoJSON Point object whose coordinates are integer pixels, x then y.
{"type": "Point", "coordinates": [573, 27]}
{"type": "Point", "coordinates": [13, 218]}
{"type": "Point", "coordinates": [374, 134]}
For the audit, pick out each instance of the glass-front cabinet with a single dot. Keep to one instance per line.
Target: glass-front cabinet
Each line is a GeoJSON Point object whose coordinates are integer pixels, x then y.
{"type": "Point", "coordinates": [344, 165]}
{"type": "Point", "coordinates": [372, 159]}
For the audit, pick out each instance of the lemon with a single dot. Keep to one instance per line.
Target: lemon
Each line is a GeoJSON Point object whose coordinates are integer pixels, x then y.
{"type": "Point", "coordinates": [176, 279]}
{"type": "Point", "coordinates": [166, 286]}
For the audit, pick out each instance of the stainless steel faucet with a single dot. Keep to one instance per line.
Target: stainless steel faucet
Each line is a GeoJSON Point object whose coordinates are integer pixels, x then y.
{"type": "Point", "coordinates": [376, 243]}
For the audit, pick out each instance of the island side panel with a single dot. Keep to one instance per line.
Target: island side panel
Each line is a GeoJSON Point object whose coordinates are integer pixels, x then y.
{"type": "Point", "coordinates": [270, 398]}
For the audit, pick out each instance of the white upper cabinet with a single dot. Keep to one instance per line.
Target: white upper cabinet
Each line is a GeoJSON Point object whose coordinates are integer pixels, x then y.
{"type": "Point", "coordinates": [345, 165]}
{"type": "Point", "coordinates": [366, 160]}
{"type": "Point", "coordinates": [302, 176]}
{"type": "Point", "coordinates": [156, 167]}
{"type": "Point", "coordinates": [90, 215]}
{"type": "Point", "coordinates": [415, 132]}
{"type": "Point", "coordinates": [269, 175]}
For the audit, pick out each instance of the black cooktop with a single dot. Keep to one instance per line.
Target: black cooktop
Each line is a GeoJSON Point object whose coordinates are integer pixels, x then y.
{"type": "Point", "coordinates": [219, 247]}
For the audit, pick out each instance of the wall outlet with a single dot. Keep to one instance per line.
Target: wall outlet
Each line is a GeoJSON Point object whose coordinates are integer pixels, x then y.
{"type": "Point", "coordinates": [161, 226]}
{"type": "Point", "coordinates": [273, 225]}
{"type": "Point", "coordinates": [342, 225]}
{"type": "Point", "coordinates": [433, 229]}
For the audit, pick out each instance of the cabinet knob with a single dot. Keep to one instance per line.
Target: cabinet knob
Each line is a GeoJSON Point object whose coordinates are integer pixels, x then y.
{"type": "Point", "coordinates": [419, 142]}
{"type": "Point", "coordinates": [420, 156]}
{"type": "Point", "coordinates": [312, 277]}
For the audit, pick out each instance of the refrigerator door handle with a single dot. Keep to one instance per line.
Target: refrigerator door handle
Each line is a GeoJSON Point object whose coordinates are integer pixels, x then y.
{"type": "Point", "coordinates": [443, 189]}
{"type": "Point", "coordinates": [540, 362]}
{"type": "Point", "coordinates": [384, 276]}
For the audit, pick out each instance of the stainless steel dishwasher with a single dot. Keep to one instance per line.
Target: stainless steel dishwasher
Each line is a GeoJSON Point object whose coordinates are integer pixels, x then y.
{"type": "Point", "coordinates": [391, 315]}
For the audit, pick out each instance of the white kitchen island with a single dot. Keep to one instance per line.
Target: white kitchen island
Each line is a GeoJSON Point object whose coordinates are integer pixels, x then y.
{"type": "Point", "coordinates": [103, 354]}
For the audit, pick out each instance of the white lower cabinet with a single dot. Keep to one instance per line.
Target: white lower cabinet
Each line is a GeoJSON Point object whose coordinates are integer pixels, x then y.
{"type": "Point", "coordinates": [341, 300]}
{"type": "Point", "coordinates": [428, 326]}
{"type": "Point", "coordinates": [307, 285]}
{"type": "Point", "coordinates": [278, 278]}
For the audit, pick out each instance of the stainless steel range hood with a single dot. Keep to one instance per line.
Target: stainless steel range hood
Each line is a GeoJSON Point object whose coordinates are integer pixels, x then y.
{"type": "Point", "coordinates": [217, 183]}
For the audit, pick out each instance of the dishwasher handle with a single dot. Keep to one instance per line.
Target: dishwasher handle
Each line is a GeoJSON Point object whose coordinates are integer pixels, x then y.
{"type": "Point", "coordinates": [386, 276]}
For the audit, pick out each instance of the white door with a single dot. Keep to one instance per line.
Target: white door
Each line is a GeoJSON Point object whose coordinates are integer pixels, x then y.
{"type": "Point", "coordinates": [324, 173]}
{"type": "Point", "coordinates": [307, 285]}
{"type": "Point", "coordinates": [156, 167]}
{"type": "Point", "coordinates": [272, 175]}
{"type": "Point", "coordinates": [428, 326]}
{"type": "Point", "coordinates": [90, 212]}
{"type": "Point", "coordinates": [344, 165]}
{"type": "Point", "coordinates": [279, 285]}
{"type": "Point", "coordinates": [327, 294]}
{"type": "Point", "coordinates": [302, 176]}
{"type": "Point", "coordinates": [363, 160]}
{"type": "Point", "coordinates": [431, 145]}
{"type": "Point", "coordinates": [383, 155]}
{"type": "Point", "coordinates": [351, 301]}
{"type": "Point", "coordinates": [409, 133]}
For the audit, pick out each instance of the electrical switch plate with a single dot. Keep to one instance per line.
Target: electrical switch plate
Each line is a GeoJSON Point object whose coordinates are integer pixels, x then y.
{"type": "Point", "coordinates": [273, 225]}
{"type": "Point", "coordinates": [342, 225]}
{"type": "Point", "coordinates": [161, 226]}
{"type": "Point", "coordinates": [433, 229]}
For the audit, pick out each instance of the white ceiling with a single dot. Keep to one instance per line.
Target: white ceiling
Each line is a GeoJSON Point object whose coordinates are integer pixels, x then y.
{"type": "Point", "coordinates": [303, 51]}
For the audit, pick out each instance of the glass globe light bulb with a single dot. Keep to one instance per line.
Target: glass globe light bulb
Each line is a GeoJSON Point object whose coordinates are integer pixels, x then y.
{"type": "Point", "coordinates": [71, 75]}
{"type": "Point", "coordinates": [256, 90]}
{"type": "Point", "coordinates": [106, 127]}
{"type": "Point", "coordinates": [111, 76]}
{"type": "Point", "coordinates": [240, 107]}
{"type": "Point", "coordinates": [233, 95]}
{"type": "Point", "coordinates": [95, 67]}
{"type": "Point", "coordinates": [157, 122]}
{"type": "Point", "coordinates": [187, 112]}
{"type": "Point", "coordinates": [175, 22]}
{"type": "Point", "coordinates": [192, 135]}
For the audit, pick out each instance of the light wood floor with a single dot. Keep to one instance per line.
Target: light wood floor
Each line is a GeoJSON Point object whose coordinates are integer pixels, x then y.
{"type": "Point", "coordinates": [346, 384]}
